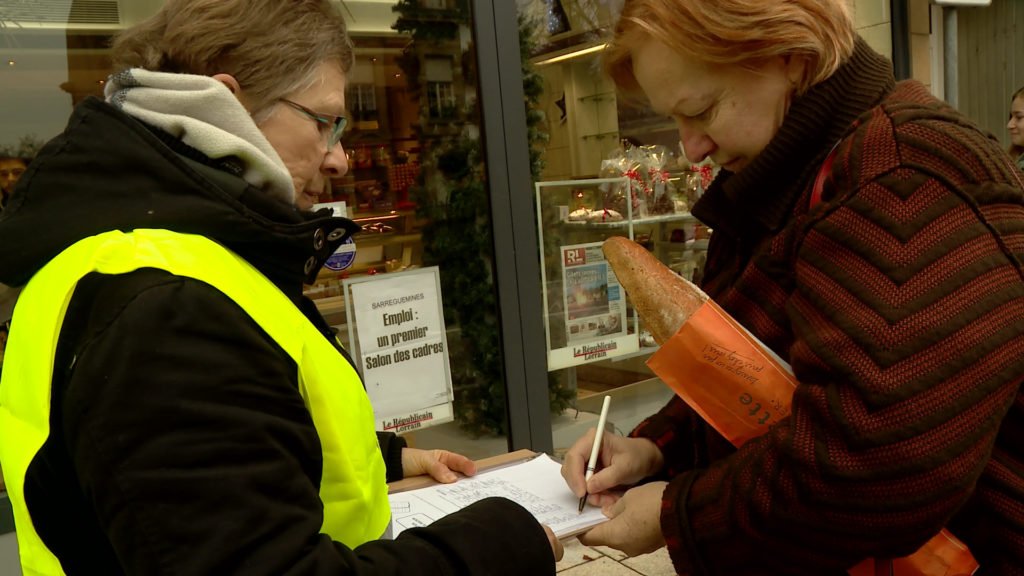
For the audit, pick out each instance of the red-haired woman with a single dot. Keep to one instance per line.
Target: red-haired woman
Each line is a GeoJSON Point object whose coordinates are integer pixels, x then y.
{"type": "Point", "coordinates": [896, 295]}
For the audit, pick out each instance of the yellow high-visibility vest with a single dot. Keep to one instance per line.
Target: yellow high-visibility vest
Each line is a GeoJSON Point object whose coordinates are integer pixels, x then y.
{"type": "Point", "coordinates": [353, 488]}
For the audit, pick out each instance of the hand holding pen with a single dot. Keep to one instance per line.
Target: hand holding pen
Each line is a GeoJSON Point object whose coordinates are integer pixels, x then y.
{"type": "Point", "coordinates": [595, 450]}
{"type": "Point", "coordinates": [633, 517]}
{"type": "Point", "coordinates": [619, 462]}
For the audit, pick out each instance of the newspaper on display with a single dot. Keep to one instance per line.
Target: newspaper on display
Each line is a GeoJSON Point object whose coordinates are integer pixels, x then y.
{"type": "Point", "coordinates": [594, 308]}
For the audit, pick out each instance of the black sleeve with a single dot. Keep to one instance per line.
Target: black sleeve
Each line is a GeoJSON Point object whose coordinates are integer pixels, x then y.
{"type": "Point", "coordinates": [391, 449]}
{"type": "Point", "coordinates": [192, 442]}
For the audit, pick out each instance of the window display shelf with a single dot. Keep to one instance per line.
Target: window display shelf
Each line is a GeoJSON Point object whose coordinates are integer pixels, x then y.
{"type": "Point", "coordinates": [625, 222]}
{"type": "Point", "coordinates": [643, 352]}
{"type": "Point", "coordinates": [601, 135]}
{"type": "Point", "coordinates": [599, 97]}
{"type": "Point", "coordinates": [389, 242]}
{"type": "Point", "coordinates": [591, 329]}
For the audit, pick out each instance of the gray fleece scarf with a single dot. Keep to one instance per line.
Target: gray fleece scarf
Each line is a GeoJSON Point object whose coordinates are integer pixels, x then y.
{"type": "Point", "coordinates": [204, 114]}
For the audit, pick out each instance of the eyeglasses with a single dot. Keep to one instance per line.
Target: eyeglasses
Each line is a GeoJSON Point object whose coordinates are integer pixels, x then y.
{"type": "Point", "coordinates": [332, 126]}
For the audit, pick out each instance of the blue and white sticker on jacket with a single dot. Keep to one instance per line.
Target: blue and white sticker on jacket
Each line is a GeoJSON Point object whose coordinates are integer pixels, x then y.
{"type": "Point", "coordinates": [343, 257]}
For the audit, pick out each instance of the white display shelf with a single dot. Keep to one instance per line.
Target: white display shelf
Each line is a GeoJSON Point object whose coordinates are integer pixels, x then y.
{"type": "Point", "coordinates": [659, 219]}
{"type": "Point", "coordinates": [556, 234]}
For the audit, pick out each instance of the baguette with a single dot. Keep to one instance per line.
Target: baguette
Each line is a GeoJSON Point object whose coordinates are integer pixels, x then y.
{"type": "Point", "coordinates": [663, 299]}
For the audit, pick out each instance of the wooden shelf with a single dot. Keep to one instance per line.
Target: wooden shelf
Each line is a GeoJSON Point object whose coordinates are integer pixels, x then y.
{"type": "Point", "coordinates": [601, 135]}
{"type": "Point", "coordinates": [370, 239]}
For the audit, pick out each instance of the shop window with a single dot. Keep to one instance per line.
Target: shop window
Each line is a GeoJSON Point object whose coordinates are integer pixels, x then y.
{"type": "Point", "coordinates": [440, 88]}
{"type": "Point", "coordinates": [437, 4]}
{"type": "Point", "coordinates": [411, 95]}
{"type": "Point", "coordinates": [361, 100]}
{"type": "Point", "coordinates": [441, 100]}
{"type": "Point", "coordinates": [592, 135]}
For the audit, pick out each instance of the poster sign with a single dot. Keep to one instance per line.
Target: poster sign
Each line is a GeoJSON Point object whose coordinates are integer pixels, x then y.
{"type": "Point", "coordinates": [594, 306]}
{"type": "Point", "coordinates": [396, 328]}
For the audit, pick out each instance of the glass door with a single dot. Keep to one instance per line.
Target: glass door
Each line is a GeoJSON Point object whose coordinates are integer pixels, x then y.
{"type": "Point", "coordinates": [609, 169]}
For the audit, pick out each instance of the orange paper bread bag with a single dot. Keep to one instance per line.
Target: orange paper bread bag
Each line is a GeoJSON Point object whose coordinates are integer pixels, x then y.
{"type": "Point", "coordinates": [753, 388]}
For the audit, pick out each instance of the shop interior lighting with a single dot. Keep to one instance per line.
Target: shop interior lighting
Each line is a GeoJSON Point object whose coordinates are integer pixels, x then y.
{"type": "Point", "coordinates": [573, 54]}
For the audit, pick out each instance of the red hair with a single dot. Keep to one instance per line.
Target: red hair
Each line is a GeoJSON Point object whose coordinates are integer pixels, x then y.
{"type": "Point", "coordinates": [734, 32]}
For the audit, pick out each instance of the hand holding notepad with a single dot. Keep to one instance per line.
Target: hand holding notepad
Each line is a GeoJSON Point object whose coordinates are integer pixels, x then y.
{"type": "Point", "coordinates": [535, 484]}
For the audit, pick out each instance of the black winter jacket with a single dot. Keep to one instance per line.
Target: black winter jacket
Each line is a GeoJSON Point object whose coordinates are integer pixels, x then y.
{"type": "Point", "coordinates": [179, 442]}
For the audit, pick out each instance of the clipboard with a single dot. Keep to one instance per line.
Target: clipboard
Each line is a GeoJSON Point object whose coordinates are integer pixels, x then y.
{"type": "Point", "coordinates": [531, 480]}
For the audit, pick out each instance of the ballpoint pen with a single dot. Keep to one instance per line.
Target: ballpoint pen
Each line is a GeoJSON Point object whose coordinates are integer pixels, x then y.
{"type": "Point", "coordinates": [598, 437]}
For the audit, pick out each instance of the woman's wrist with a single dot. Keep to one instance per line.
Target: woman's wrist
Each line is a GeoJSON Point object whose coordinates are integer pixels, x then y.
{"type": "Point", "coordinates": [653, 456]}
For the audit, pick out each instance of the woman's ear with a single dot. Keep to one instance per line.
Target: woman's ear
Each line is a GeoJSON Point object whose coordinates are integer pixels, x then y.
{"type": "Point", "coordinates": [232, 84]}
{"type": "Point", "coordinates": [796, 68]}
{"type": "Point", "coordinates": [229, 81]}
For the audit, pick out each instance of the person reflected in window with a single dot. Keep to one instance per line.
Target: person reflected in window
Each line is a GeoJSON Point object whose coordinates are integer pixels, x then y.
{"type": "Point", "coordinates": [1016, 127]}
{"type": "Point", "coordinates": [894, 290]}
{"type": "Point", "coordinates": [11, 169]}
{"type": "Point", "coordinates": [170, 403]}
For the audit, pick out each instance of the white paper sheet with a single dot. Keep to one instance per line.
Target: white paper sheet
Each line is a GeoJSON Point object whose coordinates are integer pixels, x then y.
{"type": "Point", "coordinates": [535, 484]}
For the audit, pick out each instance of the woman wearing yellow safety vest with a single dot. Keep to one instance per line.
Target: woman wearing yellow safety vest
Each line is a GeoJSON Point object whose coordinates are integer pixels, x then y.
{"type": "Point", "coordinates": [169, 402]}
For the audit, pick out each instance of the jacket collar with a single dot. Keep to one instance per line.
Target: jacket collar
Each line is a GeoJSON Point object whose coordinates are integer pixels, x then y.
{"type": "Point", "coordinates": [107, 171]}
{"type": "Point", "coordinates": [764, 193]}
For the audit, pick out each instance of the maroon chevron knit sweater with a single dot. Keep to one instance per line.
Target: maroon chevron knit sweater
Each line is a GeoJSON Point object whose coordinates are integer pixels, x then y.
{"type": "Point", "coordinates": [899, 302]}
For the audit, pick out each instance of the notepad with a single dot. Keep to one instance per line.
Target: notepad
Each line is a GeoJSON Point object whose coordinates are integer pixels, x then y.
{"type": "Point", "coordinates": [535, 484]}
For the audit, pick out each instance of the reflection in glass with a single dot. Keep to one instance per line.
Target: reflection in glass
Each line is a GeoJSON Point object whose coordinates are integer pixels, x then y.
{"type": "Point", "coordinates": [593, 135]}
